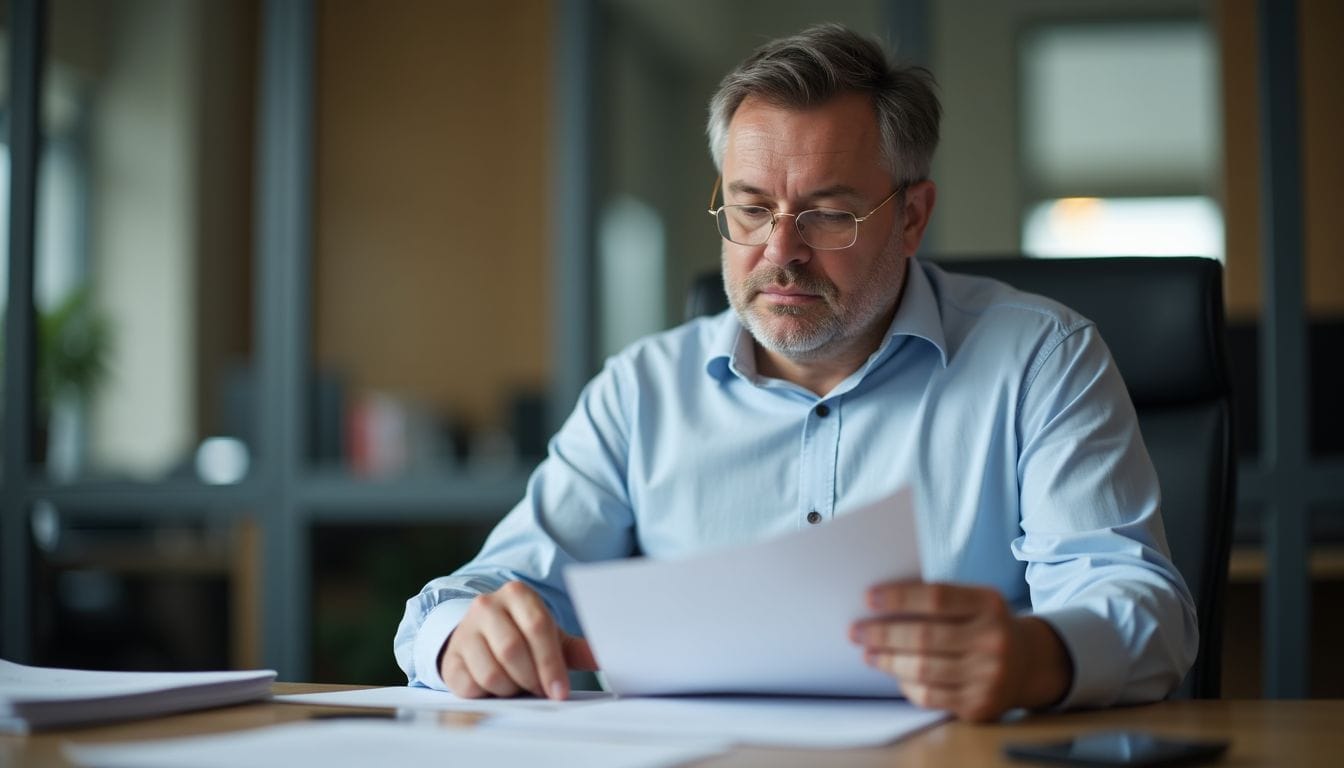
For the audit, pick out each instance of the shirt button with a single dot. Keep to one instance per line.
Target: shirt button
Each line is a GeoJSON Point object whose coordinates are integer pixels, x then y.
{"type": "Point", "coordinates": [823, 410]}
{"type": "Point", "coordinates": [814, 517]}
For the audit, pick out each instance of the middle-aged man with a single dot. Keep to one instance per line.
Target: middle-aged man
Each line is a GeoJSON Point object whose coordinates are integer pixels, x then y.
{"type": "Point", "coordinates": [846, 369]}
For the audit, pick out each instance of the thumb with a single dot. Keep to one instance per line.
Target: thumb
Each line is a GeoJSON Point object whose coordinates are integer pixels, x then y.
{"type": "Point", "coordinates": [577, 653]}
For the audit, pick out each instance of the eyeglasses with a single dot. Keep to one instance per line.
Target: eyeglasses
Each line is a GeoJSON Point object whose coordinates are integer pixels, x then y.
{"type": "Point", "coordinates": [824, 229]}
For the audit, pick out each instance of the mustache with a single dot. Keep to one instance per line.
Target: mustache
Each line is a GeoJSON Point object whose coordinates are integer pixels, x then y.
{"type": "Point", "coordinates": [788, 277]}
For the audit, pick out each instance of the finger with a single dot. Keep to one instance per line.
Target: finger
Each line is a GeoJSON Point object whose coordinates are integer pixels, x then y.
{"type": "Point", "coordinates": [458, 679]}
{"type": "Point", "coordinates": [913, 636]}
{"type": "Point", "coordinates": [966, 702]}
{"type": "Point", "coordinates": [511, 650]}
{"type": "Point", "coordinates": [485, 670]}
{"type": "Point", "coordinates": [578, 654]}
{"type": "Point", "coordinates": [950, 601]}
{"type": "Point", "coordinates": [924, 669]}
{"type": "Point", "coordinates": [930, 696]}
{"type": "Point", "coordinates": [546, 660]}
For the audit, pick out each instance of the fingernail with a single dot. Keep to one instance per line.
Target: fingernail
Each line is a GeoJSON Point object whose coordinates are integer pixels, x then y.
{"type": "Point", "coordinates": [557, 690]}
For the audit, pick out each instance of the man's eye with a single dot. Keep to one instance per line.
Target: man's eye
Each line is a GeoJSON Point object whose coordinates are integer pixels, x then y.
{"type": "Point", "coordinates": [831, 218]}
{"type": "Point", "coordinates": [752, 212]}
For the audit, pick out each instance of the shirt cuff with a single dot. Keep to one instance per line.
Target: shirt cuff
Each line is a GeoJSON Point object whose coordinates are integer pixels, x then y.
{"type": "Point", "coordinates": [1100, 658]}
{"type": "Point", "coordinates": [434, 632]}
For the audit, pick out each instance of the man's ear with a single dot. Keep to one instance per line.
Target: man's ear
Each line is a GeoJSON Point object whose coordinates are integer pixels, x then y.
{"type": "Point", "coordinates": [919, 200]}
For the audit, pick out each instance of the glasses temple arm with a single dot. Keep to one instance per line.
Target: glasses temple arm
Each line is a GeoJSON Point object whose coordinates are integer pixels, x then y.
{"type": "Point", "coordinates": [714, 194]}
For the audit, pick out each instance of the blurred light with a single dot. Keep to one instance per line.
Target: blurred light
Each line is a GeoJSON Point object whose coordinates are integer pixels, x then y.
{"type": "Point", "coordinates": [46, 525]}
{"type": "Point", "coordinates": [221, 460]}
{"type": "Point", "coordinates": [1129, 226]}
{"type": "Point", "coordinates": [632, 251]}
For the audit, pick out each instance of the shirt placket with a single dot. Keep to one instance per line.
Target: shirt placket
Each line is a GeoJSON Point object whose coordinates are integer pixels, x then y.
{"type": "Point", "coordinates": [820, 449]}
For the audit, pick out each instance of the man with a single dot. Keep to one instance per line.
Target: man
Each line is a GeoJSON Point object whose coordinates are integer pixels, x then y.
{"type": "Point", "coordinates": [846, 369]}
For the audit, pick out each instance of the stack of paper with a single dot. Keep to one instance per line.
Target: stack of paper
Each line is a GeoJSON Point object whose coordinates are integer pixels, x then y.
{"type": "Point", "coordinates": [39, 697]}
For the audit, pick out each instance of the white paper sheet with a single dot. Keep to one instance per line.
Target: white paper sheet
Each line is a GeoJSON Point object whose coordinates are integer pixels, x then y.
{"type": "Point", "coordinates": [406, 697]}
{"type": "Point", "coordinates": [383, 744]}
{"type": "Point", "coordinates": [769, 618]}
{"type": "Point", "coordinates": [777, 721]}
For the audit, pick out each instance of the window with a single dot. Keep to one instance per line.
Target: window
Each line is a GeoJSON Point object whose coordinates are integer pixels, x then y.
{"type": "Point", "coordinates": [1120, 140]}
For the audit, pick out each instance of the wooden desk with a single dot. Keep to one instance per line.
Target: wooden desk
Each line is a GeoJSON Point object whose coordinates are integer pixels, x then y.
{"type": "Point", "coordinates": [1288, 733]}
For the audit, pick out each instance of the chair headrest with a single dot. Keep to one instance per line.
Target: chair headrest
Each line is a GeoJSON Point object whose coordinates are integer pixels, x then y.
{"type": "Point", "coordinates": [1161, 317]}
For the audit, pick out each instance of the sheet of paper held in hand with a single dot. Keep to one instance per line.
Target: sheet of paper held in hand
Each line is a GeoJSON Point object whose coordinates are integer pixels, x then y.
{"type": "Point", "coordinates": [772, 617]}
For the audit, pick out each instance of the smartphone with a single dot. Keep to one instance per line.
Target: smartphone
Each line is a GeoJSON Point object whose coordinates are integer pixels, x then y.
{"type": "Point", "coordinates": [1119, 748]}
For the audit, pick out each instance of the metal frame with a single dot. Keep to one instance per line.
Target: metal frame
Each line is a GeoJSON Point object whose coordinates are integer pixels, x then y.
{"type": "Point", "coordinates": [26, 46]}
{"type": "Point", "coordinates": [574, 203]}
{"type": "Point", "coordinates": [282, 254]}
{"type": "Point", "coordinates": [1288, 481]}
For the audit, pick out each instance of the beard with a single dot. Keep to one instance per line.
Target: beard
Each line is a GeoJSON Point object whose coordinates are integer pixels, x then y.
{"type": "Point", "coordinates": [805, 333]}
{"type": "Point", "coordinates": [792, 331]}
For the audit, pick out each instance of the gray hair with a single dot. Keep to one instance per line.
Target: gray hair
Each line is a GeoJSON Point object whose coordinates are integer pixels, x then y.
{"type": "Point", "coordinates": [825, 61]}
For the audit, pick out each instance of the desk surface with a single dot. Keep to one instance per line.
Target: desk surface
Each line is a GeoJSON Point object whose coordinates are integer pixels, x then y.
{"type": "Point", "coordinates": [1296, 733]}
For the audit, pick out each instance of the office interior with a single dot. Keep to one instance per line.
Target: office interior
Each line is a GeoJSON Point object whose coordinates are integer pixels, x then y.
{"type": "Point", "coordinates": [312, 281]}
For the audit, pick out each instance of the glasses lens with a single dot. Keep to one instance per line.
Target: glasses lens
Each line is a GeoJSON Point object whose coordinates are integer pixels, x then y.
{"type": "Point", "coordinates": [746, 224]}
{"type": "Point", "coordinates": [825, 229]}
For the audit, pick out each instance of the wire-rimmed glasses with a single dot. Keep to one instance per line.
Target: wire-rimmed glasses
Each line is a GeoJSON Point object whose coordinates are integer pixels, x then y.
{"type": "Point", "coordinates": [824, 229]}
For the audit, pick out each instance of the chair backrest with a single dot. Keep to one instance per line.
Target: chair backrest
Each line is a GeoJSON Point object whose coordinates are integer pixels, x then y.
{"type": "Point", "coordinates": [1163, 321]}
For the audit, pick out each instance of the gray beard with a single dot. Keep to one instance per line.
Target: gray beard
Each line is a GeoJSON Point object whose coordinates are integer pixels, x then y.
{"type": "Point", "coordinates": [803, 344]}
{"type": "Point", "coordinates": [817, 339]}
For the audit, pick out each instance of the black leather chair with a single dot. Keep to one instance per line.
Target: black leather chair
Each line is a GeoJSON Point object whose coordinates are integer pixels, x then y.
{"type": "Point", "coordinates": [1163, 321]}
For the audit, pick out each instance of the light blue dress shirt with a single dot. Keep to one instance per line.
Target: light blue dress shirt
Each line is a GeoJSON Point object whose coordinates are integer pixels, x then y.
{"type": "Point", "coordinates": [1003, 411]}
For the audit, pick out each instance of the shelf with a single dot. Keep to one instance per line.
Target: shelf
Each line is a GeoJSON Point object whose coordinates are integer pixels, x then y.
{"type": "Point", "coordinates": [467, 496]}
{"type": "Point", "coordinates": [456, 497]}
{"type": "Point", "coordinates": [1249, 565]}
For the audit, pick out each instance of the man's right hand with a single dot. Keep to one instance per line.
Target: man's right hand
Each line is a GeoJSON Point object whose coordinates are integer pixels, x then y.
{"type": "Point", "coordinates": [508, 643]}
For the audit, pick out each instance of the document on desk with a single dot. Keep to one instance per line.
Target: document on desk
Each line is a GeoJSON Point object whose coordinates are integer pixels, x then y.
{"type": "Point", "coordinates": [776, 721]}
{"type": "Point", "coordinates": [41, 697]}
{"type": "Point", "coordinates": [351, 742]}
{"type": "Point", "coordinates": [771, 617]}
{"type": "Point", "coordinates": [406, 697]}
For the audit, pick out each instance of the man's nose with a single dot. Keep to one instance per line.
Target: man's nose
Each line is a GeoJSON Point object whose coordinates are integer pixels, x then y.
{"type": "Point", "coordinates": [785, 245]}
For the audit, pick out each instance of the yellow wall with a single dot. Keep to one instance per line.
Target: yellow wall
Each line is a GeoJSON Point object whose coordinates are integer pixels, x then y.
{"type": "Point", "coordinates": [1321, 26]}
{"type": "Point", "coordinates": [431, 261]}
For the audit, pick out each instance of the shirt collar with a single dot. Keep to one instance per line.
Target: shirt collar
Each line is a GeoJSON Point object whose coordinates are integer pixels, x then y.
{"type": "Point", "coordinates": [920, 314]}
{"type": "Point", "coordinates": [731, 350]}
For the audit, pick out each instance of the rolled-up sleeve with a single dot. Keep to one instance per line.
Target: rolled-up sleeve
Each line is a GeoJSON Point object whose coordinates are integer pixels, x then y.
{"type": "Point", "coordinates": [576, 509]}
{"type": "Point", "coordinates": [1097, 562]}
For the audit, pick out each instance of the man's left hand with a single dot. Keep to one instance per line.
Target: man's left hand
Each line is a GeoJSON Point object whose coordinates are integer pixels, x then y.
{"type": "Point", "coordinates": [960, 648]}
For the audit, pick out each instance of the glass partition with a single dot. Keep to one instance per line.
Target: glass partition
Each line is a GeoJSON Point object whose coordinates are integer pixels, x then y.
{"type": "Point", "coordinates": [144, 241]}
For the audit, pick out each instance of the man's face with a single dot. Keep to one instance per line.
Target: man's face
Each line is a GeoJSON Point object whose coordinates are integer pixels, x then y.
{"type": "Point", "coordinates": [798, 302]}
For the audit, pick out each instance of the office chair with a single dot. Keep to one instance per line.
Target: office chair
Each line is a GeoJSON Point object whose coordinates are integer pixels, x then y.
{"type": "Point", "coordinates": [1163, 321]}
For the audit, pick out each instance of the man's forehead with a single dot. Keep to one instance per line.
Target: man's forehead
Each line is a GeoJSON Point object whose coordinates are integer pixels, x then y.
{"type": "Point", "coordinates": [843, 126]}
{"type": "Point", "coordinates": [803, 153]}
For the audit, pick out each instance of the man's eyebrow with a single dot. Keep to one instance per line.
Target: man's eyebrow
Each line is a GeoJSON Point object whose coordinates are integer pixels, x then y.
{"type": "Point", "coordinates": [743, 188]}
{"type": "Point", "coordinates": [835, 190]}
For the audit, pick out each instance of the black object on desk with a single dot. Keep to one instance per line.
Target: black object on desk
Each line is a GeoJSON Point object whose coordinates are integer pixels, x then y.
{"type": "Point", "coordinates": [1119, 748]}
